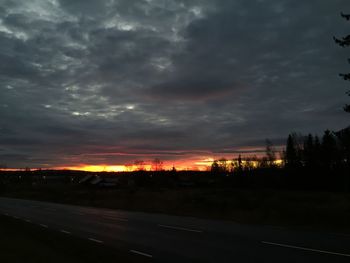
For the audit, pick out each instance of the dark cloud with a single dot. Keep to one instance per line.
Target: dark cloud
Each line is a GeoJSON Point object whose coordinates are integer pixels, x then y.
{"type": "Point", "coordinates": [193, 88]}
{"type": "Point", "coordinates": [113, 81]}
{"type": "Point", "coordinates": [86, 7]}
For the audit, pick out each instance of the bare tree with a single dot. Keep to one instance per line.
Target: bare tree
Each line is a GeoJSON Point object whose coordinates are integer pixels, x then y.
{"type": "Point", "coordinates": [140, 164]}
{"type": "Point", "coordinates": [223, 165]}
{"type": "Point", "coordinates": [157, 165]}
{"type": "Point", "coordinates": [270, 153]}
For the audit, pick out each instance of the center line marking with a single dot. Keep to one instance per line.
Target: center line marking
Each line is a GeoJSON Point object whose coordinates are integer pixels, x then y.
{"type": "Point", "coordinates": [141, 253]}
{"type": "Point", "coordinates": [306, 249]}
{"type": "Point", "coordinates": [95, 240]}
{"type": "Point", "coordinates": [181, 228]}
{"type": "Point", "coordinates": [44, 225]}
{"type": "Point", "coordinates": [64, 231]}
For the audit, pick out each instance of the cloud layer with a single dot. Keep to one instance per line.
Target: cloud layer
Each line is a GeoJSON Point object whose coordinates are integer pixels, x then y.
{"type": "Point", "coordinates": [108, 82]}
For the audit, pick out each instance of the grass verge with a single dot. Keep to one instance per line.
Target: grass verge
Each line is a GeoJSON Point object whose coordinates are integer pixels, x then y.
{"type": "Point", "coordinates": [321, 210]}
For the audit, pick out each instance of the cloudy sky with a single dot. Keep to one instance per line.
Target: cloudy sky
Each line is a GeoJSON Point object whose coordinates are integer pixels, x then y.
{"type": "Point", "coordinates": [108, 82]}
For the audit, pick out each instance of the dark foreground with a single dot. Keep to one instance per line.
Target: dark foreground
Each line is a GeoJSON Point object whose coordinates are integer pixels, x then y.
{"type": "Point", "coordinates": [308, 209]}
{"type": "Point", "coordinates": [158, 238]}
{"type": "Point", "coordinates": [22, 241]}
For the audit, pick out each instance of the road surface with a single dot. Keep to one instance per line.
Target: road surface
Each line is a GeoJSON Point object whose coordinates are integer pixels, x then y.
{"type": "Point", "coordinates": [163, 238]}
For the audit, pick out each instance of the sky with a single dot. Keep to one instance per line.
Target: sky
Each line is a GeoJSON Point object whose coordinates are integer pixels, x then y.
{"type": "Point", "coordinates": [105, 83]}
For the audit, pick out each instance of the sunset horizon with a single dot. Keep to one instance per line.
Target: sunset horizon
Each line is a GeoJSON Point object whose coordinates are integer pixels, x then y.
{"type": "Point", "coordinates": [109, 83]}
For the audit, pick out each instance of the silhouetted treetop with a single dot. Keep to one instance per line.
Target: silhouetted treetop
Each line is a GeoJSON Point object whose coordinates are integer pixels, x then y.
{"type": "Point", "coordinates": [344, 42]}
{"type": "Point", "coordinates": [346, 16]}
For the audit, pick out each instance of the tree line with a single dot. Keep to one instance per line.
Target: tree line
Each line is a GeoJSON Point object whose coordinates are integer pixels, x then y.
{"type": "Point", "coordinates": [328, 153]}
{"type": "Point", "coordinates": [306, 161]}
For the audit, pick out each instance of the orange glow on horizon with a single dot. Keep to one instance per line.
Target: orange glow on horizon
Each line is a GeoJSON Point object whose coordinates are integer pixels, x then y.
{"type": "Point", "coordinates": [198, 163]}
{"type": "Point", "coordinates": [131, 168]}
{"type": "Point", "coordinates": [202, 163]}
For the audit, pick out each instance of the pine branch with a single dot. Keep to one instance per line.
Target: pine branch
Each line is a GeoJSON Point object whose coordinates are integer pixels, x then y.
{"type": "Point", "coordinates": [347, 108]}
{"type": "Point", "coordinates": [346, 16]}
{"type": "Point", "coordinates": [345, 76]}
{"type": "Point", "coordinates": [342, 43]}
{"type": "Point", "coordinates": [347, 38]}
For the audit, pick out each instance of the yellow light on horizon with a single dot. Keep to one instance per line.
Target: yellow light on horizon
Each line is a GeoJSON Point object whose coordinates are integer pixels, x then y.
{"type": "Point", "coordinates": [98, 168]}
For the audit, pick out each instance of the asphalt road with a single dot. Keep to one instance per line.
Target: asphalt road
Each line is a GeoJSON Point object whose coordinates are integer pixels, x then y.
{"type": "Point", "coordinates": [163, 238]}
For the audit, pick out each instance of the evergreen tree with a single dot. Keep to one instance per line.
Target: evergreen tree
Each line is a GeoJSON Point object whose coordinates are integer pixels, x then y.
{"type": "Point", "coordinates": [329, 150]}
{"type": "Point", "coordinates": [317, 152]}
{"type": "Point", "coordinates": [291, 152]}
{"type": "Point", "coordinates": [344, 42]}
{"type": "Point", "coordinates": [308, 151]}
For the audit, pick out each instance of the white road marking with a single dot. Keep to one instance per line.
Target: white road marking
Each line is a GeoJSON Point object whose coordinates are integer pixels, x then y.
{"type": "Point", "coordinates": [16, 217]}
{"type": "Point", "coordinates": [95, 240]}
{"type": "Point", "coordinates": [6, 214]}
{"type": "Point", "coordinates": [141, 253]}
{"type": "Point", "coordinates": [44, 225]}
{"type": "Point", "coordinates": [27, 220]}
{"type": "Point", "coordinates": [115, 218]}
{"type": "Point", "coordinates": [64, 231]}
{"type": "Point", "coordinates": [181, 228]}
{"type": "Point", "coordinates": [306, 249]}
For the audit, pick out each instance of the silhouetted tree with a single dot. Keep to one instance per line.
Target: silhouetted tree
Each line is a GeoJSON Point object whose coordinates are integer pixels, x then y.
{"type": "Point", "coordinates": [329, 153]}
{"type": "Point", "coordinates": [263, 162]}
{"type": "Point", "coordinates": [220, 166]}
{"type": "Point", "coordinates": [215, 168]}
{"type": "Point", "coordinates": [157, 165]}
{"type": "Point", "coordinates": [223, 165]}
{"type": "Point", "coordinates": [128, 167]}
{"type": "Point", "coordinates": [140, 165]}
{"type": "Point", "coordinates": [270, 153]}
{"type": "Point", "coordinates": [344, 145]}
{"type": "Point", "coordinates": [250, 163]}
{"type": "Point", "coordinates": [344, 148]}
{"type": "Point", "coordinates": [317, 151]}
{"type": "Point", "coordinates": [309, 152]}
{"type": "Point", "coordinates": [240, 162]}
{"type": "Point", "coordinates": [232, 166]}
{"type": "Point", "coordinates": [291, 153]}
{"type": "Point", "coordinates": [344, 42]}
{"type": "Point", "coordinates": [237, 165]}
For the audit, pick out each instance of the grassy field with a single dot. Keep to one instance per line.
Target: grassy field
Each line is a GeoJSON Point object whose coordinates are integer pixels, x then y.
{"type": "Point", "coordinates": [324, 210]}
{"type": "Point", "coordinates": [25, 242]}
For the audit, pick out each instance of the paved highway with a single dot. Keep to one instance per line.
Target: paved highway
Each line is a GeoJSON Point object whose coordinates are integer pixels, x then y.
{"type": "Point", "coordinates": [163, 238]}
